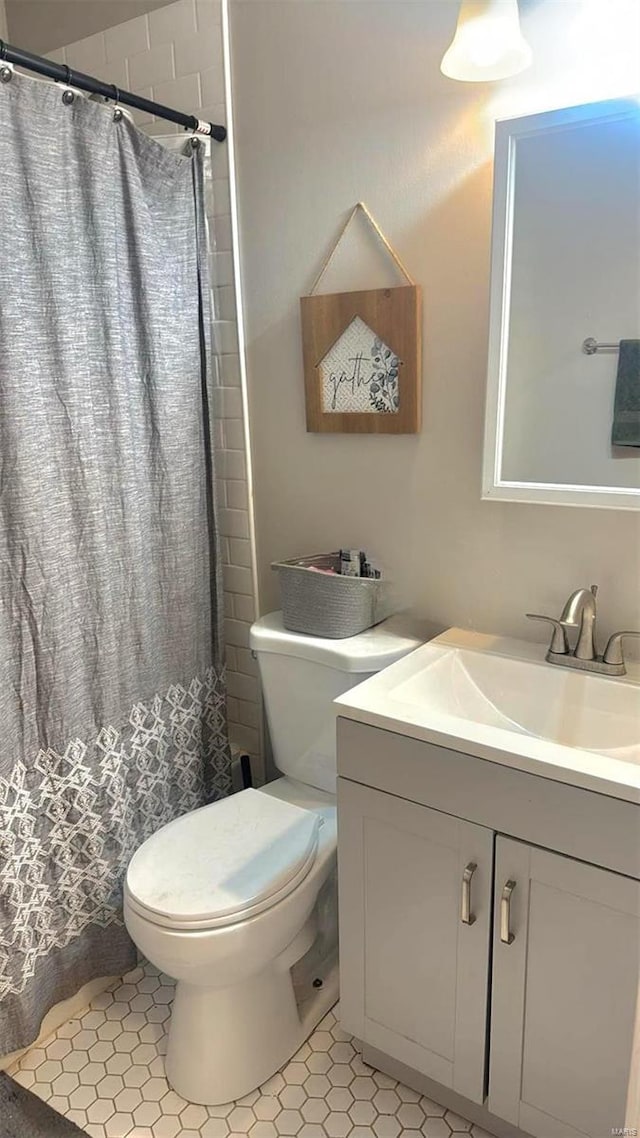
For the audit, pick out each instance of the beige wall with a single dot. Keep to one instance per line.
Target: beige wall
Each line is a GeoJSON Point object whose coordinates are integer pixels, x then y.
{"type": "Point", "coordinates": [4, 35]}
{"type": "Point", "coordinates": [43, 25]}
{"type": "Point", "coordinates": [337, 101]}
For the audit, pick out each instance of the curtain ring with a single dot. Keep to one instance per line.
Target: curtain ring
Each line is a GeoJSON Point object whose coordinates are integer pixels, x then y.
{"type": "Point", "coordinates": [6, 71]}
{"type": "Point", "coordinates": [195, 125]}
{"type": "Point", "coordinates": [67, 95]}
{"type": "Point", "coordinates": [117, 111]}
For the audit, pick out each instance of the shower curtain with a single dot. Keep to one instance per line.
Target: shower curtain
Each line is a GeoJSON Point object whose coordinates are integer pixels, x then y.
{"type": "Point", "coordinates": [112, 716]}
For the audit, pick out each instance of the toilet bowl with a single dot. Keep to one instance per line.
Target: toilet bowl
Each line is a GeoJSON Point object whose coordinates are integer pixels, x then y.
{"type": "Point", "coordinates": [227, 899]}
{"type": "Point", "coordinates": [235, 1018]}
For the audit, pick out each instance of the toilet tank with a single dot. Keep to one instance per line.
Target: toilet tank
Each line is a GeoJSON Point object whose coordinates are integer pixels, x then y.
{"type": "Point", "coordinates": [302, 675]}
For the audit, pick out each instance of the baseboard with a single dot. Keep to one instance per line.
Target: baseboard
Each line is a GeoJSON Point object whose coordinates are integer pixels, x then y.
{"type": "Point", "coordinates": [57, 1015]}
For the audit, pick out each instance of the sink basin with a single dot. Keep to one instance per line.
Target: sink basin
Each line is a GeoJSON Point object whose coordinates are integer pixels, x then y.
{"type": "Point", "coordinates": [499, 699]}
{"type": "Point", "coordinates": [576, 709]}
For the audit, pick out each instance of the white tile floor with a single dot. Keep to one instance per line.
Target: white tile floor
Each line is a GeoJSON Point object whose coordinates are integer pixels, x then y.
{"type": "Point", "coordinates": [105, 1071]}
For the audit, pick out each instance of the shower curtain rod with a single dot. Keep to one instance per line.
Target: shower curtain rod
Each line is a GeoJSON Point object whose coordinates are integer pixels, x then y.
{"type": "Point", "coordinates": [63, 74]}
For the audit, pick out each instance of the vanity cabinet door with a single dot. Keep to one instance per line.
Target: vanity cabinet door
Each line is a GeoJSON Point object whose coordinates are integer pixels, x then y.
{"type": "Point", "coordinates": [414, 975]}
{"type": "Point", "coordinates": [564, 996]}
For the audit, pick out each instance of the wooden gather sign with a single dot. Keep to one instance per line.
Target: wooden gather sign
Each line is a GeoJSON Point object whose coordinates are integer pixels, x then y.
{"type": "Point", "coordinates": [362, 355]}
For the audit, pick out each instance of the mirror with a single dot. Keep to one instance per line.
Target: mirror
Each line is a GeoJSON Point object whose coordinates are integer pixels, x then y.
{"type": "Point", "coordinates": [565, 269]}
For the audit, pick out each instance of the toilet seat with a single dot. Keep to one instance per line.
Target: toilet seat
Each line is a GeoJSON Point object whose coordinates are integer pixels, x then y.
{"type": "Point", "coordinates": [223, 863]}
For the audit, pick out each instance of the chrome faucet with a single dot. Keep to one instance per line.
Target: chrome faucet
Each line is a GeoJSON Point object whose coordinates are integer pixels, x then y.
{"type": "Point", "coordinates": [580, 612]}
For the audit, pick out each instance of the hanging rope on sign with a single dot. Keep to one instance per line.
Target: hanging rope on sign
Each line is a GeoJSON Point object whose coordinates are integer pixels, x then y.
{"type": "Point", "coordinates": [374, 225]}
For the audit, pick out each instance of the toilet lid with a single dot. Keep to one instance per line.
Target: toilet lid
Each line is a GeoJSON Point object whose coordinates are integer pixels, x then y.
{"type": "Point", "coordinates": [224, 860]}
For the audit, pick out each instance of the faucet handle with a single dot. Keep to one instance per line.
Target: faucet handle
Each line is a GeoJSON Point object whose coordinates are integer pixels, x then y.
{"type": "Point", "coordinates": [594, 590]}
{"type": "Point", "coordinates": [559, 643]}
{"type": "Point", "coordinates": [613, 651]}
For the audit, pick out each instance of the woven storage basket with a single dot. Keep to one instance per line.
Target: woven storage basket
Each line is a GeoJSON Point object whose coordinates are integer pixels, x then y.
{"type": "Point", "coordinates": [329, 605]}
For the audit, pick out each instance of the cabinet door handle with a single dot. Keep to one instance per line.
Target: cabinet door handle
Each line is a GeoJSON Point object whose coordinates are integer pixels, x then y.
{"type": "Point", "coordinates": [466, 916]}
{"type": "Point", "coordinates": [506, 936]}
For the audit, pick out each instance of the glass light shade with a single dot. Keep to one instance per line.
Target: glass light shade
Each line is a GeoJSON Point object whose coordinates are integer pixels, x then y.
{"type": "Point", "coordinates": [488, 43]}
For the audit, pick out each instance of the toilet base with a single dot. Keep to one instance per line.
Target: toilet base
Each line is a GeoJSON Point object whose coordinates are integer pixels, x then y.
{"type": "Point", "coordinates": [225, 1042]}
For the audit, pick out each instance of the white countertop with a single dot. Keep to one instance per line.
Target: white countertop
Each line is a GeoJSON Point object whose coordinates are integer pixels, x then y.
{"type": "Point", "coordinates": [380, 702]}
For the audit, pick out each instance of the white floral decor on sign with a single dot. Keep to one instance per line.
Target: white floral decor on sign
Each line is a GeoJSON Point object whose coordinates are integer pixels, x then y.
{"type": "Point", "coordinates": [359, 373]}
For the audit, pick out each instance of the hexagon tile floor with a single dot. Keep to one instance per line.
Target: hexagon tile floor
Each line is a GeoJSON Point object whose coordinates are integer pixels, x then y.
{"type": "Point", "coordinates": [105, 1071]}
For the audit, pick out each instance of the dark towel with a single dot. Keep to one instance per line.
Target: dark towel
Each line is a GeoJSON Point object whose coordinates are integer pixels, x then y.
{"type": "Point", "coordinates": [24, 1115]}
{"type": "Point", "coordinates": [626, 409]}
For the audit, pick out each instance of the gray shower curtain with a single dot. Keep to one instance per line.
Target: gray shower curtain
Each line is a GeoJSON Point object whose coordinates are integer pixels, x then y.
{"type": "Point", "coordinates": [112, 692]}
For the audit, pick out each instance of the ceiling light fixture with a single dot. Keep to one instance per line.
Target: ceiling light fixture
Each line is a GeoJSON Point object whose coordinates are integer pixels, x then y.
{"type": "Point", "coordinates": [488, 43]}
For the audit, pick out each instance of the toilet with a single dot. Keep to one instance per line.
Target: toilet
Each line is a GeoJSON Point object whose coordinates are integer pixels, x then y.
{"type": "Point", "coordinates": [237, 901]}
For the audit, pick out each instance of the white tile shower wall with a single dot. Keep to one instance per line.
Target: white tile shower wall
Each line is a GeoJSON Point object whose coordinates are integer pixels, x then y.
{"type": "Point", "coordinates": [174, 55]}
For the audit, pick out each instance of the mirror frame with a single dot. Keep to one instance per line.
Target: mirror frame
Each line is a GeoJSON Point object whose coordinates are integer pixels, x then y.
{"type": "Point", "coordinates": [494, 486]}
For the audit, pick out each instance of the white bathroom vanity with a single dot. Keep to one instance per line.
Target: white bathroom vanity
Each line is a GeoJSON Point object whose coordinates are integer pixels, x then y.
{"type": "Point", "coordinates": [489, 860]}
